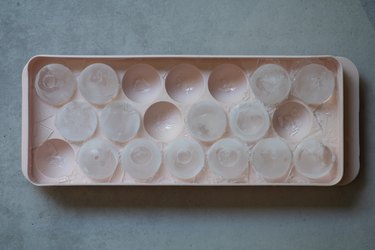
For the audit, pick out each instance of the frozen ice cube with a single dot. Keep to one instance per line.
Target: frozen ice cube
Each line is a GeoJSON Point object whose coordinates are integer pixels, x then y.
{"type": "Point", "coordinates": [228, 158]}
{"type": "Point", "coordinates": [270, 83]}
{"type": "Point", "coordinates": [55, 84]}
{"type": "Point", "coordinates": [98, 83]}
{"type": "Point", "coordinates": [141, 159]}
{"type": "Point", "coordinates": [249, 121]}
{"type": "Point", "coordinates": [119, 121]}
{"type": "Point", "coordinates": [98, 158]}
{"type": "Point", "coordinates": [206, 121]}
{"type": "Point", "coordinates": [76, 121]}
{"type": "Point", "coordinates": [184, 158]}
{"type": "Point", "coordinates": [272, 158]}
{"type": "Point", "coordinates": [314, 84]}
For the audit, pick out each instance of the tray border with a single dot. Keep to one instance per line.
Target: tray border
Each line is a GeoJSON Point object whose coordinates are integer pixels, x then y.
{"type": "Point", "coordinates": [351, 121]}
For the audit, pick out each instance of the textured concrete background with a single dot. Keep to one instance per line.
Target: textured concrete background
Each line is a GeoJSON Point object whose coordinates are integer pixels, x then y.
{"type": "Point", "coordinates": [184, 218]}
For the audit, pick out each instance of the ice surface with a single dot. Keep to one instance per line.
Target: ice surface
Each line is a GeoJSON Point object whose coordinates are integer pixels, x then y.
{"type": "Point", "coordinates": [141, 159]}
{"type": "Point", "coordinates": [55, 84]}
{"type": "Point", "coordinates": [270, 83]}
{"type": "Point", "coordinates": [119, 121]}
{"type": "Point", "coordinates": [228, 158]}
{"type": "Point", "coordinates": [314, 84]}
{"type": "Point", "coordinates": [184, 158]}
{"type": "Point", "coordinates": [271, 158]}
{"type": "Point", "coordinates": [76, 121]}
{"type": "Point", "coordinates": [98, 83]}
{"type": "Point", "coordinates": [249, 121]}
{"type": "Point", "coordinates": [206, 121]}
{"type": "Point", "coordinates": [98, 158]}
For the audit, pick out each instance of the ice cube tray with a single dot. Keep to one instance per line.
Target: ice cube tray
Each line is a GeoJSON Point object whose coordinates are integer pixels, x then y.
{"type": "Point", "coordinates": [190, 120]}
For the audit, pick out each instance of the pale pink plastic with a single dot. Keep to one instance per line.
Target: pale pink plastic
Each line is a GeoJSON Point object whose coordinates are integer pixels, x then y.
{"type": "Point", "coordinates": [38, 117]}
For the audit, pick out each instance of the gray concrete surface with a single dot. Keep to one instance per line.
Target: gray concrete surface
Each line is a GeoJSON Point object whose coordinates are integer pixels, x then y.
{"type": "Point", "coordinates": [184, 218]}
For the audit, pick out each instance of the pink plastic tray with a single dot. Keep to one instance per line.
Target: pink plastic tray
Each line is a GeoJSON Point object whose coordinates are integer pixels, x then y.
{"type": "Point", "coordinates": [338, 128]}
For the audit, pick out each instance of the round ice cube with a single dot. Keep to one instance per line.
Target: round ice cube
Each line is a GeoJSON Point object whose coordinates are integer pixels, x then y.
{"type": "Point", "coordinates": [249, 121]}
{"type": "Point", "coordinates": [184, 158]}
{"type": "Point", "coordinates": [76, 121]}
{"type": "Point", "coordinates": [272, 158]}
{"type": "Point", "coordinates": [141, 159]}
{"type": "Point", "coordinates": [313, 159]}
{"type": "Point", "coordinates": [98, 83]}
{"type": "Point", "coordinates": [98, 158]}
{"type": "Point", "coordinates": [270, 83]}
{"type": "Point", "coordinates": [119, 121]}
{"type": "Point", "coordinates": [206, 121]}
{"type": "Point", "coordinates": [55, 84]}
{"type": "Point", "coordinates": [228, 158]}
{"type": "Point", "coordinates": [314, 84]}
